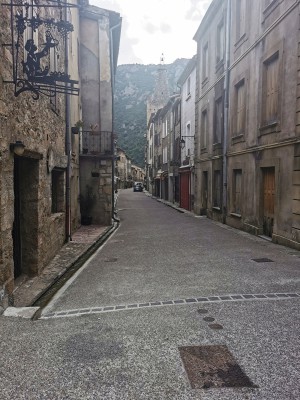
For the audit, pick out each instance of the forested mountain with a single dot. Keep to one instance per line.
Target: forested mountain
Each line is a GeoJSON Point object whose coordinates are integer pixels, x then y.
{"type": "Point", "coordinates": [134, 85]}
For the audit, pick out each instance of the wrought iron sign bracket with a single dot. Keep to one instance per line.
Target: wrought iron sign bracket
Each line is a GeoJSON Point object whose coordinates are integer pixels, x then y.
{"type": "Point", "coordinates": [35, 65]}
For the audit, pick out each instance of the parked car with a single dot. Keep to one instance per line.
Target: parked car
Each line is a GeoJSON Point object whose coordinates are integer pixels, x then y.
{"type": "Point", "coordinates": [138, 187]}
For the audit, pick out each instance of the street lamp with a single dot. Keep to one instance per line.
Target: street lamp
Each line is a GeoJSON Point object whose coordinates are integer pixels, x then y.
{"type": "Point", "coordinates": [182, 141]}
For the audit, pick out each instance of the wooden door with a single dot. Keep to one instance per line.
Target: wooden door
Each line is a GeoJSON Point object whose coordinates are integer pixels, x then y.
{"type": "Point", "coordinates": [185, 190]}
{"type": "Point", "coordinates": [268, 200]}
{"type": "Point", "coordinates": [204, 192]}
{"type": "Point", "coordinates": [16, 233]}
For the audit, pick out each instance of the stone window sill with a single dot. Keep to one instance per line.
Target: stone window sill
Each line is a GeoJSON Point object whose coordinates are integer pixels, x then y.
{"type": "Point", "coordinates": [236, 215]}
{"type": "Point", "coordinates": [269, 128]}
{"type": "Point", "coordinates": [237, 138]}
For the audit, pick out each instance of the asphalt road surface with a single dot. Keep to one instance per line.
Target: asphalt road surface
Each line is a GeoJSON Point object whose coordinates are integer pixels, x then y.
{"type": "Point", "coordinates": [148, 314]}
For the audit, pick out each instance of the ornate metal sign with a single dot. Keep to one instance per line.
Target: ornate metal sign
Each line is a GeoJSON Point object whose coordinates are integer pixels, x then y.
{"type": "Point", "coordinates": [39, 67]}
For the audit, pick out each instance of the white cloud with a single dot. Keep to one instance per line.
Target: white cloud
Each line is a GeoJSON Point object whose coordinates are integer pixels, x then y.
{"type": "Point", "coordinates": [152, 27]}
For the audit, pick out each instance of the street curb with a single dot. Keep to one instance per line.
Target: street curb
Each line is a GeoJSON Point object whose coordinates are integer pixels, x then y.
{"type": "Point", "coordinates": [174, 206]}
{"type": "Point", "coordinates": [44, 297]}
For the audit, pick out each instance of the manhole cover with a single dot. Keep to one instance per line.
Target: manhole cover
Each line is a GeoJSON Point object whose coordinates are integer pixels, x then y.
{"type": "Point", "coordinates": [111, 260]}
{"type": "Point", "coordinates": [202, 311]}
{"type": "Point", "coordinates": [215, 326]}
{"type": "Point", "coordinates": [208, 319]}
{"type": "Point", "coordinates": [212, 366]}
{"type": "Point", "coordinates": [262, 260]}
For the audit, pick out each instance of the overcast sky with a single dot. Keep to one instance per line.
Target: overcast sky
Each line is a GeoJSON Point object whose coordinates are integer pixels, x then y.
{"type": "Point", "coordinates": [153, 27]}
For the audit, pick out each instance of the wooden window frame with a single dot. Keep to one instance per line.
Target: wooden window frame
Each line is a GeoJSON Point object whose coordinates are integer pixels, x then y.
{"type": "Point", "coordinates": [57, 191]}
{"type": "Point", "coordinates": [267, 127]}
{"type": "Point", "coordinates": [217, 136]}
{"type": "Point", "coordinates": [205, 63]}
{"type": "Point", "coordinates": [188, 88]}
{"type": "Point", "coordinates": [220, 44]}
{"type": "Point", "coordinates": [237, 211]}
{"type": "Point", "coordinates": [203, 143]}
{"type": "Point", "coordinates": [238, 136]}
{"type": "Point", "coordinates": [217, 190]}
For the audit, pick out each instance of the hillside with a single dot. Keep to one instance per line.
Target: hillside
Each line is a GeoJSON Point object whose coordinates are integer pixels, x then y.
{"type": "Point", "coordinates": [134, 84]}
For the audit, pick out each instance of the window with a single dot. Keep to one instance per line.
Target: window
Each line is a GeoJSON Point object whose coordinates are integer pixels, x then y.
{"type": "Point", "coordinates": [240, 108]}
{"type": "Point", "coordinates": [165, 155]}
{"type": "Point", "coordinates": [205, 62]}
{"type": "Point", "coordinates": [188, 87]}
{"type": "Point", "coordinates": [220, 42]}
{"type": "Point", "coordinates": [237, 191]}
{"type": "Point", "coordinates": [57, 191]}
{"type": "Point", "coordinates": [240, 18]}
{"type": "Point", "coordinates": [217, 189]}
{"type": "Point", "coordinates": [188, 129]}
{"type": "Point", "coordinates": [165, 128]}
{"type": "Point", "coordinates": [270, 90]}
{"type": "Point", "coordinates": [204, 129]}
{"type": "Point", "coordinates": [218, 120]}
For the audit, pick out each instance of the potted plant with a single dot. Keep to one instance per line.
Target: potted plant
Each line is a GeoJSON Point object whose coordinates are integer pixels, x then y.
{"type": "Point", "coordinates": [86, 204]}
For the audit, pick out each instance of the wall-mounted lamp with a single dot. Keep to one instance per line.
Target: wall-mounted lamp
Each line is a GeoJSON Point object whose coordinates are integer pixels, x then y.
{"type": "Point", "coordinates": [17, 148]}
{"type": "Point", "coordinates": [182, 141]}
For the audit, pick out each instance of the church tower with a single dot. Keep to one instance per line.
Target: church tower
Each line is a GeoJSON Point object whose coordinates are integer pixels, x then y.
{"type": "Point", "coordinates": [160, 96]}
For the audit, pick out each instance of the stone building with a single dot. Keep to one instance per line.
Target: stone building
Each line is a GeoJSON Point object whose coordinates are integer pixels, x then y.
{"type": "Point", "coordinates": [41, 121]}
{"type": "Point", "coordinates": [187, 84]}
{"type": "Point", "coordinates": [163, 152]}
{"type": "Point", "coordinates": [137, 173]}
{"type": "Point", "coordinates": [36, 169]}
{"type": "Point", "coordinates": [247, 117]}
{"type": "Point", "coordinates": [149, 151]}
{"type": "Point", "coordinates": [123, 170]}
{"type": "Point", "coordinates": [98, 62]}
{"type": "Point", "coordinates": [153, 152]}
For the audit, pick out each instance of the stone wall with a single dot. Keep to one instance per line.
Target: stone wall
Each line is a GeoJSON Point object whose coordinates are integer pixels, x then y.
{"type": "Point", "coordinates": [39, 128]}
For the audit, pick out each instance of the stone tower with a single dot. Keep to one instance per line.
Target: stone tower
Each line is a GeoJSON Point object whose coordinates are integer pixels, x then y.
{"type": "Point", "coordinates": [160, 96]}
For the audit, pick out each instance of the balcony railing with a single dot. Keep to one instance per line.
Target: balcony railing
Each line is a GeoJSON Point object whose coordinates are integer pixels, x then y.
{"type": "Point", "coordinates": [96, 143]}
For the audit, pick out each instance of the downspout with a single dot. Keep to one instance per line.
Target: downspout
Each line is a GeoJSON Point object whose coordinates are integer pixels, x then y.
{"type": "Point", "coordinates": [226, 109]}
{"type": "Point", "coordinates": [67, 144]}
{"type": "Point", "coordinates": [112, 67]}
{"type": "Point", "coordinates": [174, 151]}
{"type": "Point", "coordinates": [180, 150]}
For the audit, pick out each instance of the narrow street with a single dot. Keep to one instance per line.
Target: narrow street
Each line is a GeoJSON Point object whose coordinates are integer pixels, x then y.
{"type": "Point", "coordinates": [163, 281]}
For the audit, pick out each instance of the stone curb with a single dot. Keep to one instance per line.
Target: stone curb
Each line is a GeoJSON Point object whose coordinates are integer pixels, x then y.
{"type": "Point", "coordinates": [33, 310]}
{"type": "Point", "coordinates": [43, 297]}
{"type": "Point", "coordinates": [22, 312]}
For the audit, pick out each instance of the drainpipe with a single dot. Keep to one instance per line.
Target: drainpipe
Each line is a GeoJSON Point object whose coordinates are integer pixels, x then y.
{"type": "Point", "coordinates": [67, 145]}
{"type": "Point", "coordinates": [226, 108]}
{"type": "Point", "coordinates": [112, 67]}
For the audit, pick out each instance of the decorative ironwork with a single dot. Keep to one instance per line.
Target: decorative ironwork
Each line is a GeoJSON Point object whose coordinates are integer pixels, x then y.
{"type": "Point", "coordinates": [34, 66]}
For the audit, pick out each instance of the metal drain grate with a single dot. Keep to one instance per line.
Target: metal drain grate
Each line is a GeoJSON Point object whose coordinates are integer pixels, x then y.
{"type": "Point", "coordinates": [262, 260]}
{"type": "Point", "coordinates": [212, 366]}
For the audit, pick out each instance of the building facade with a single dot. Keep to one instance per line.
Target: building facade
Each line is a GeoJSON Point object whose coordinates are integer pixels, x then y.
{"type": "Point", "coordinates": [41, 131]}
{"type": "Point", "coordinates": [36, 168]}
{"type": "Point", "coordinates": [247, 125]}
{"type": "Point", "coordinates": [123, 170]}
{"type": "Point", "coordinates": [187, 83]}
{"type": "Point", "coordinates": [98, 61]}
